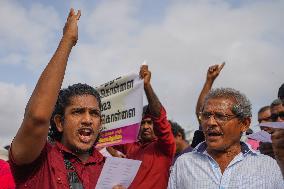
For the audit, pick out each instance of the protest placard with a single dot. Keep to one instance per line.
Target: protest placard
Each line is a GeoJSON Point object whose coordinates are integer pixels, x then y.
{"type": "Point", "coordinates": [122, 106]}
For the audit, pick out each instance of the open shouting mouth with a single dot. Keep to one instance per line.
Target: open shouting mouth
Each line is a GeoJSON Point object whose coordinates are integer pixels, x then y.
{"type": "Point", "coordinates": [213, 134]}
{"type": "Point", "coordinates": [85, 134]}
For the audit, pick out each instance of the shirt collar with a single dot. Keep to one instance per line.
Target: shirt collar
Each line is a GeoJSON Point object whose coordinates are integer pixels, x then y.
{"type": "Point", "coordinates": [141, 142]}
{"type": "Point", "coordinates": [245, 148]}
{"type": "Point", "coordinates": [95, 157]}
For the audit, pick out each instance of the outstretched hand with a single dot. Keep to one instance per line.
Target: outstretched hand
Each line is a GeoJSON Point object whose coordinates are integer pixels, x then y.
{"type": "Point", "coordinates": [145, 74]}
{"type": "Point", "coordinates": [70, 30]}
{"type": "Point", "coordinates": [214, 71]}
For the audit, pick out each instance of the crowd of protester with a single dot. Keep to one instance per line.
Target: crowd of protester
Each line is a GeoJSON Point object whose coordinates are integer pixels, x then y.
{"type": "Point", "coordinates": [55, 144]}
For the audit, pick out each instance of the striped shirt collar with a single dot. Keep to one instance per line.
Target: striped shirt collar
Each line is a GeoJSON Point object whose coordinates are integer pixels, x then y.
{"type": "Point", "coordinates": [245, 148]}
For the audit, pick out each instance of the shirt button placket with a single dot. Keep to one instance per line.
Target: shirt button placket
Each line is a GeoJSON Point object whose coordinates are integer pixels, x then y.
{"type": "Point", "coordinates": [59, 180]}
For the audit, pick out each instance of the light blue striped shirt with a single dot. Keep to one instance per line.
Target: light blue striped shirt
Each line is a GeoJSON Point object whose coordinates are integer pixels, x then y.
{"type": "Point", "coordinates": [248, 170]}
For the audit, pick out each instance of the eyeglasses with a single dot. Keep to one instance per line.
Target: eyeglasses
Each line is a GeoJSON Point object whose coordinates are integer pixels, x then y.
{"type": "Point", "coordinates": [149, 122]}
{"type": "Point", "coordinates": [204, 116]}
{"type": "Point", "coordinates": [274, 117]}
{"type": "Point", "coordinates": [264, 119]}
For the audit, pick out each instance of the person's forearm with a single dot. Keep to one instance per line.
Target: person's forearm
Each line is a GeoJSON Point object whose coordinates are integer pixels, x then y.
{"type": "Point", "coordinates": [154, 105]}
{"type": "Point", "coordinates": [205, 90]}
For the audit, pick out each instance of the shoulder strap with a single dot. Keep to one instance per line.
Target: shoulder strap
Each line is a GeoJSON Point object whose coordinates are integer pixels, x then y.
{"type": "Point", "coordinates": [74, 181]}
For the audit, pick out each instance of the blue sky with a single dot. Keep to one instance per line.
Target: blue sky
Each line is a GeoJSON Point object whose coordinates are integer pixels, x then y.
{"type": "Point", "coordinates": [179, 39]}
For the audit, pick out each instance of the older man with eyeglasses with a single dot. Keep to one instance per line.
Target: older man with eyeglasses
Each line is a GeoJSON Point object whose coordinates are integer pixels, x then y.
{"type": "Point", "coordinates": [223, 161]}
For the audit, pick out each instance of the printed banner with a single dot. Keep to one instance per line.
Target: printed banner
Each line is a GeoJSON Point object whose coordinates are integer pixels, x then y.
{"type": "Point", "coordinates": [122, 106]}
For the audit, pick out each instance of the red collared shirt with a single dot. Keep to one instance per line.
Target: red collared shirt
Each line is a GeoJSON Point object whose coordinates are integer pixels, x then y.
{"type": "Point", "coordinates": [156, 156]}
{"type": "Point", "coordinates": [6, 178]}
{"type": "Point", "coordinates": [48, 171]}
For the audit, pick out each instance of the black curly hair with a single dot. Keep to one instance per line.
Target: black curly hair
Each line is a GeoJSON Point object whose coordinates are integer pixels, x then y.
{"type": "Point", "coordinates": [64, 100]}
{"type": "Point", "coordinates": [176, 128]}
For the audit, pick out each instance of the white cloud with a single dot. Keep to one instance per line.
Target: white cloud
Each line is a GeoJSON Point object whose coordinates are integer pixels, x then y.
{"type": "Point", "coordinates": [192, 36]}
{"type": "Point", "coordinates": [12, 102]}
{"type": "Point", "coordinates": [27, 33]}
{"type": "Point", "coordinates": [112, 21]}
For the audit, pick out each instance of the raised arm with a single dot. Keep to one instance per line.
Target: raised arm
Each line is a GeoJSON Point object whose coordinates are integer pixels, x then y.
{"type": "Point", "coordinates": [31, 136]}
{"type": "Point", "coordinates": [212, 74]}
{"type": "Point", "coordinates": [154, 105]}
{"type": "Point", "coordinates": [162, 127]}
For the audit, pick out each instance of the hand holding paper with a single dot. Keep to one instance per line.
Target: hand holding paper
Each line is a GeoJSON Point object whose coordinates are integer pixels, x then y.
{"type": "Point", "coordinates": [118, 172]}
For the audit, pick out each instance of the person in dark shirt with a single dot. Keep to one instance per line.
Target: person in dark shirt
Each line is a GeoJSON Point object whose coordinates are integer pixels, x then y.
{"type": "Point", "coordinates": [182, 145]}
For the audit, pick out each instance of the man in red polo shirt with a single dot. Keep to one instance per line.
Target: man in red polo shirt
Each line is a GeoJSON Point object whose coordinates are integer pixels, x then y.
{"type": "Point", "coordinates": [156, 145]}
{"type": "Point", "coordinates": [74, 117]}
